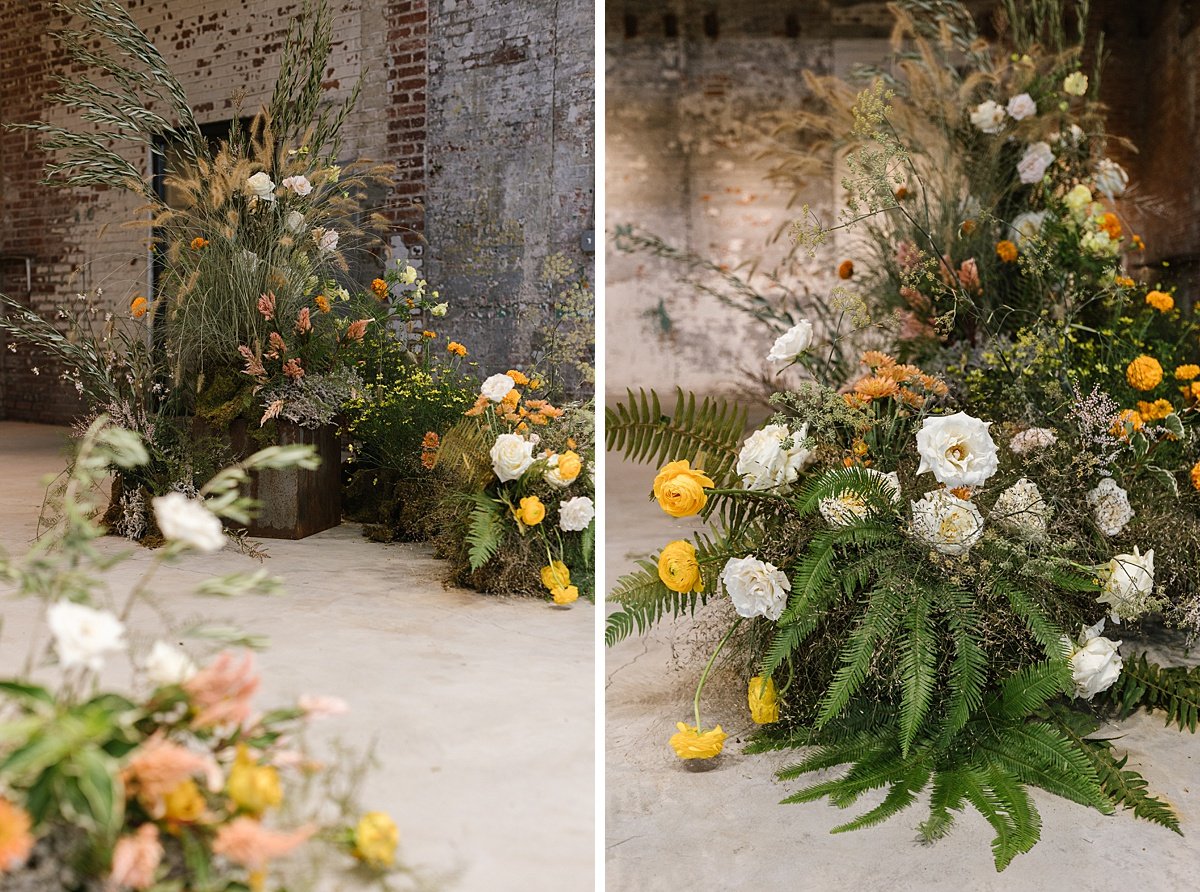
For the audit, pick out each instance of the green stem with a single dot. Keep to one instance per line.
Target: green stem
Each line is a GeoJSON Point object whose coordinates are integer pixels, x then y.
{"type": "Point", "coordinates": [708, 669]}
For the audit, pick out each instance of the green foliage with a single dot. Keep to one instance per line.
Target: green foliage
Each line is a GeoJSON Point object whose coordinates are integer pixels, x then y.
{"type": "Point", "coordinates": [486, 530]}
{"type": "Point", "coordinates": [1174, 691]}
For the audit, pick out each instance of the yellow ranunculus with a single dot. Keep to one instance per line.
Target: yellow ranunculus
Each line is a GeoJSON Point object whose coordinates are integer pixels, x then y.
{"type": "Point", "coordinates": [764, 701]}
{"type": "Point", "coordinates": [375, 839]}
{"type": "Point", "coordinates": [184, 804]}
{"type": "Point", "coordinates": [689, 743]}
{"type": "Point", "coordinates": [1144, 373]}
{"type": "Point", "coordinates": [679, 489]}
{"type": "Point", "coordinates": [678, 568]}
{"type": "Point", "coordinates": [253, 787]}
{"type": "Point", "coordinates": [569, 466]}
{"type": "Point", "coordinates": [567, 594]}
{"type": "Point", "coordinates": [531, 511]}
{"type": "Point", "coordinates": [556, 576]}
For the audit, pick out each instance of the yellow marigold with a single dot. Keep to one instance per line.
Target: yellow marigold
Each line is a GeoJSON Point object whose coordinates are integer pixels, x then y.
{"type": "Point", "coordinates": [199, 243]}
{"type": "Point", "coordinates": [138, 307]}
{"type": "Point", "coordinates": [1138, 244]}
{"type": "Point", "coordinates": [567, 594]}
{"type": "Point", "coordinates": [456, 348]}
{"type": "Point", "coordinates": [845, 269]}
{"type": "Point", "coordinates": [1195, 475]}
{"type": "Point", "coordinates": [1191, 392]}
{"type": "Point", "coordinates": [876, 387]}
{"type": "Point", "coordinates": [678, 568]}
{"type": "Point", "coordinates": [375, 840]}
{"type": "Point", "coordinates": [1155, 411]}
{"type": "Point", "coordinates": [531, 511]}
{"type": "Point", "coordinates": [1110, 224]}
{"type": "Point", "coordinates": [510, 400]}
{"type": "Point", "coordinates": [184, 804]}
{"type": "Point", "coordinates": [1006, 250]}
{"type": "Point", "coordinates": [1124, 281]}
{"type": "Point", "coordinates": [519, 378]}
{"type": "Point", "coordinates": [322, 303]}
{"type": "Point", "coordinates": [689, 743]}
{"type": "Point", "coordinates": [679, 489]}
{"type": "Point", "coordinates": [1126, 422]}
{"type": "Point", "coordinates": [763, 700]}
{"type": "Point", "coordinates": [16, 840]}
{"type": "Point", "coordinates": [253, 787]}
{"type": "Point", "coordinates": [380, 288]}
{"type": "Point", "coordinates": [556, 575]}
{"type": "Point", "coordinates": [1161, 301]}
{"type": "Point", "coordinates": [1186, 372]}
{"type": "Point", "coordinates": [877, 359]}
{"type": "Point", "coordinates": [1144, 373]}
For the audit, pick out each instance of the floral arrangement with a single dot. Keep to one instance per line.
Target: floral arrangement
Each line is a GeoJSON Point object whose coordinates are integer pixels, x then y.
{"type": "Point", "coordinates": [182, 783]}
{"type": "Point", "coordinates": [985, 478]}
{"type": "Point", "coordinates": [519, 510]}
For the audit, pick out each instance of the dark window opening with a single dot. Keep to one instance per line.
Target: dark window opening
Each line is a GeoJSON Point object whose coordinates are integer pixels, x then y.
{"type": "Point", "coordinates": [631, 26]}
{"type": "Point", "coordinates": [671, 25]}
{"type": "Point", "coordinates": [710, 25]}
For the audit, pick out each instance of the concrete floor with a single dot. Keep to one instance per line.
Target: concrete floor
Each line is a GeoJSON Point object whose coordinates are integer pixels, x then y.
{"type": "Point", "coordinates": [669, 828]}
{"type": "Point", "coordinates": [482, 708]}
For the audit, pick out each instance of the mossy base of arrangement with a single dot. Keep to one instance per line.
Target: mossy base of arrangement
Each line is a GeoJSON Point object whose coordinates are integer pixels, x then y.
{"type": "Point", "coordinates": [391, 505]}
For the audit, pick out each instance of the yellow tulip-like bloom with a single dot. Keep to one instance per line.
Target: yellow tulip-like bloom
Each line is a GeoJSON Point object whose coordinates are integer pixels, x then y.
{"type": "Point", "coordinates": [138, 307]}
{"type": "Point", "coordinates": [679, 489]}
{"type": "Point", "coordinates": [184, 804]}
{"type": "Point", "coordinates": [1144, 373]}
{"type": "Point", "coordinates": [678, 568]}
{"type": "Point", "coordinates": [1006, 251]}
{"type": "Point", "coordinates": [689, 743]}
{"type": "Point", "coordinates": [253, 787]}
{"type": "Point", "coordinates": [1155, 411]}
{"type": "Point", "coordinates": [1161, 301]}
{"type": "Point", "coordinates": [1187, 372]}
{"type": "Point", "coordinates": [569, 466]}
{"type": "Point", "coordinates": [567, 594]}
{"type": "Point", "coordinates": [556, 576]}
{"type": "Point", "coordinates": [375, 840]}
{"type": "Point", "coordinates": [531, 511]}
{"type": "Point", "coordinates": [1195, 475]}
{"type": "Point", "coordinates": [763, 700]}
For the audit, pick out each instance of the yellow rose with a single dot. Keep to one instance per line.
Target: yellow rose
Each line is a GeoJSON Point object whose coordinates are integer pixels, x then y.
{"type": "Point", "coordinates": [184, 804]}
{"type": "Point", "coordinates": [678, 568]}
{"type": "Point", "coordinates": [253, 787]}
{"type": "Point", "coordinates": [569, 466]}
{"type": "Point", "coordinates": [568, 594]}
{"type": "Point", "coordinates": [556, 576]}
{"type": "Point", "coordinates": [764, 701]}
{"type": "Point", "coordinates": [375, 840]}
{"type": "Point", "coordinates": [689, 743]}
{"type": "Point", "coordinates": [679, 489]}
{"type": "Point", "coordinates": [531, 512]}
{"type": "Point", "coordinates": [1144, 373]}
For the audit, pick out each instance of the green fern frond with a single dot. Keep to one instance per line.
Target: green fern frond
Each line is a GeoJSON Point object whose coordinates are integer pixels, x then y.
{"type": "Point", "coordinates": [1043, 629]}
{"type": "Point", "coordinates": [879, 621]}
{"type": "Point", "coordinates": [918, 668]}
{"type": "Point", "coordinates": [1174, 691]}
{"type": "Point", "coordinates": [485, 531]}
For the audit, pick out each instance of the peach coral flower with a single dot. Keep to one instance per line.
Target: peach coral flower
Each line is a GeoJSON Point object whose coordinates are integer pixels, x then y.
{"type": "Point", "coordinates": [266, 305]}
{"type": "Point", "coordinates": [136, 859]}
{"type": "Point", "coordinates": [222, 691]}
{"type": "Point", "coordinates": [246, 842]}
{"type": "Point", "coordinates": [16, 842]}
{"type": "Point", "coordinates": [158, 767]}
{"type": "Point", "coordinates": [357, 329]}
{"type": "Point", "coordinates": [877, 359]}
{"type": "Point", "coordinates": [293, 369]}
{"type": "Point", "coordinates": [303, 322]}
{"type": "Point", "coordinates": [876, 387]}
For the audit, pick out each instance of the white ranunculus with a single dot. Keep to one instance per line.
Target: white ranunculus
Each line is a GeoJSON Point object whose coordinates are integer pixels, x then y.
{"type": "Point", "coordinates": [1021, 107]}
{"type": "Point", "coordinates": [1128, 584]}
{"type": "Point", "coordinates": [439, 310]}
{"type": "Point", "coordinates": [1110, 506]}
{"type": "Point", "coordinates": [168, 665]}
{"type": "Point", "coordinates": [294, 221]}
{"type": "Point", "coordinates": [1079, 199]}
{"type": "Point", "coordinates": [1028, 226]}
{"type": "Point", "coordinates": [1022, 509]}
{"type": "Point", "coordinates": [496, 387]}
{"type": "Point", "coordinates": [1075, 84]}
{"type": "Point", "coordinates": [988, 117]}
{"type": "Point", "coordinates": [575, 514]}
{"type": "Point", "coordinates": [1110, 178]}
{"type": "Point", "coordinates": [84, 636]}
{"type": "Point", "coordinates": [511, 456]}
{"type": "Point", "coordinates": [409, 276]}
{"type": "Point", "coordinates": [298, 184]}
{"type": "Point", "coordinates": [326, 239]}
{"type": "Point", "coordinates": [957, 449]}
{"type": "Point", "coordinates": [188, 521]}
{"type": "Point", "coordinates": [1032, 166]}
{"type": "Point", "coordinates": [849, 507]}
{"type": "Point", "coordinates": [756, 587]}
{"type": "Point", "coordinates": [1095, 663]}
{"type": "Point", "coordinates": [765, 463]}
{"type": "Point", "coordinates": [1100, 242]}
{"type": "Point", "coordinates": [792, 342]}
{"type": "Point", "coordinates": [261, 186]}
{"type": "Point", "coordinates": [1032, 439]}
{"type": "Point", "coordinates": [947, 523]}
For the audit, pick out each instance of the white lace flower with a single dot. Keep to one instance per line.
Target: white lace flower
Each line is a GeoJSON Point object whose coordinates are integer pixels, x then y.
{"type": "Point", "coordinates": [188, 521]}
{"type": "Point", "coordinates": [1075, 84]}
{"type": "Point", "coordinates": [497, 387]}
{"type": "Point", "coordinates": [1032, 166]}
{"type": "Point", "coordinates": [849, 507]}
{"type": "Point", "coordinates": [84, 636]}
{"type": "Point", "coordinates": [1110, 178]}
{"type": "Point", "coordinates": [1022, 509]}
{"type": "Point", "coordinates": [988, 117]}
{"type": "Point", "coordinates": [756, 587]}
{"type": "Point", "coordinates": [261, 186]}
{"type": "Point", "coordinates": [792, 342]}
{"type": "Point", "coordinates": [1034, 438]}
{"type": "Point", "coordinates": [168, 665]}
{"type": "Point", "coordinates": [765, 463]}
{"type": "Point", "coordinates": [947, 523]}
{"type": "Point", "coordinates": [511, 456]}
{"type": "Point", "coordinates": [1021, 107]}
{"type": "Point", "coordinates": [575, 514]}
{"type": "Point", "coordinates": [957, 449]}
{"type": "Point", "coordinates": [1128, 584]}
{"type": "Point", "coordinates": [1095, 663]}
{"type": "Point", "coordinates": [1110, 506]}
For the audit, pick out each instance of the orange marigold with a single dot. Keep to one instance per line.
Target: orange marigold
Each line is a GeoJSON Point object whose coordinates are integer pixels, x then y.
{"type": "Point", "coordinates": [456, 348]}
{"type": "Point", "coordinates": [845, 269]}
{"type": "Point", "coordinates": [876, 387]}
{"type": "Point", "coordinates": [519, 378]}
{"type": "Point", "coordinates": [1144, 373]}
{"type": "Point", "coordinates": [1195, 475]}
{"type": "Point", "coordinates": [1110, 224]}
{"type": "Point", "coordinates": [856, 400]}
{"type": "Point", "coordinates": [138, 307]}
{"type": "Point", "coordinates": [1126, 422]}
{"type": "Point", "coordinates": [1138, 244]}
{"type": "Point", "coordinates": [1156, 410]}
{"type": "Point", "coordinates": [322, 303]}
{"type": "Point", "coordinates": [16, 840]}
{"type": "Point", "coordinates": [1161, 301]}
{"type": "Point", "coordinates": [1187, 372]}
{"type": "Point", "coordinates": [901, 374]}
{"type": "Point", "coordinates": [901, 193]}
{"type": "Point", "coordinates": [429, 335]}
{"type": "Point", "coordinates": [380, 288]}
{"type": "Point", "coordinates": [199, 243]}
{"type": "Point", "coordinates": [967, 227]}
{"type": "Point", "coordinates": [1124, 281]}
{"type": "Point", "coordinates": [1006, 251]}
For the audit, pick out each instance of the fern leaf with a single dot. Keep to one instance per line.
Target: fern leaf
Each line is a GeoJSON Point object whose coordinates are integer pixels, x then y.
{"type": "Point", "coordinates": [1174, 691]}
{"type": "Point", "coordinates": [918, 668]}
{"type": "Point", "coordinates": [878, 623]}
{"type": "Point", "coordinates": [1044, 630]}
{"type": "Point", "coordinates": [485, 532]}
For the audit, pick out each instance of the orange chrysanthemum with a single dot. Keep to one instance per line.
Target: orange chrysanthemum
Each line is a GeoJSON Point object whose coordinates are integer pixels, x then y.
{"type": "Point", "coordinates": [138, 307]}
{"type": "Point", "coordinates": [1161, 301]}
{"type": "Point", "coordinates": [1155, 411]}
{"type": "Point", "coordinates": [322, 303]}
{"type": "Point", "coordinates": [877, 359]}
{"type": "Point", "coordinates": [876, 387]}
{"type": "Point", "coordinates": [1006, 251]}
{"type": "Point", "coordinates": [199, 243]}
{"type": "Point", "coordinates": [901, 374]}
{"type": "Point", "coordinates": [1195, 475]}
{"type": "Point", "coordinates": [1187, 372]}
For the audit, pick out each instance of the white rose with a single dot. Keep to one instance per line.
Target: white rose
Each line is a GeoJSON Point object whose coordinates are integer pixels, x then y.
{"type": "Point", "coordinates": [1032, 166]}
{"type": "Point", "coordinates": [947, 523]}
{"type": "Point", "coordinates": [1110, 506]}
{"type": "Point", "coordinates": [1022, 509]}
{"type": "Point", "coordinates": [496, 387]}
{"type": "Point", "coordinates": [792, 342]}
{"type": "Point", "coordinates": [1021, 107]}
{"type": "Point", "coordinates": [1110, 178]}
{"type": "Point", "coordinates": [84, 636]}
{"type": "Point", "coordinates": [1031, 439]}
{"type": "Point", "coordinates": [988, 117]}
{"type": "Point", "coordinates": [261, 186]}
{"type": "Point", "coordinates": [849, 507]}
{"type": "Point", "coordinates": [1128, 584]}
{"type": "Point", "coordinates": [957, 449]}
{"type": "Point", "coordinates": [511, 456]}
{"type": "Point", "coordinates": [187, 520]}
{"type": "Point", "coordinates": [168, 665]}
{"type": "Point", "coordinates": [1095, 663]}
{"type": "Point", "coordinates": [294, 221]}
{"type": "Point", "coordinates": [756, 587]}
{"type": "Point", "coordinates": [1075, 84]}
{"type": "Point", "coordinates": [439, 310]}
{"type": "Point", "coordinates": [300, 185]}
{"type": "Point", "coordinates": [1078, 199]}
{"type": "Point", "coordinates": [575, 514]}
{"type": "Point", "coordinates": [326, 239]}
{"type": "Point", "coordinates": [764, 463]}
{"type": "Point", "coordinates": [1028, 226]}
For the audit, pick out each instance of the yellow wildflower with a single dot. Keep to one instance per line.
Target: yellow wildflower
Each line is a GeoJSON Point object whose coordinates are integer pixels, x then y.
{"type": "Point", "coordinates": [375, 840]}
{"type": "Point", "coordinates": [322, 303]}
{"type": "Point", "coordinates": [199, 243]}
{"type": "Point", "coordinates": [1195, 475]}
{"type": "Point", "coordinates": [689, 743]}
{"type": "Point", "coordinates": [1154, 411]}
{"type": "Point", "coordinates": [1124, 281]}
{"type": "Point", "coordinates": [1126, 422]}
